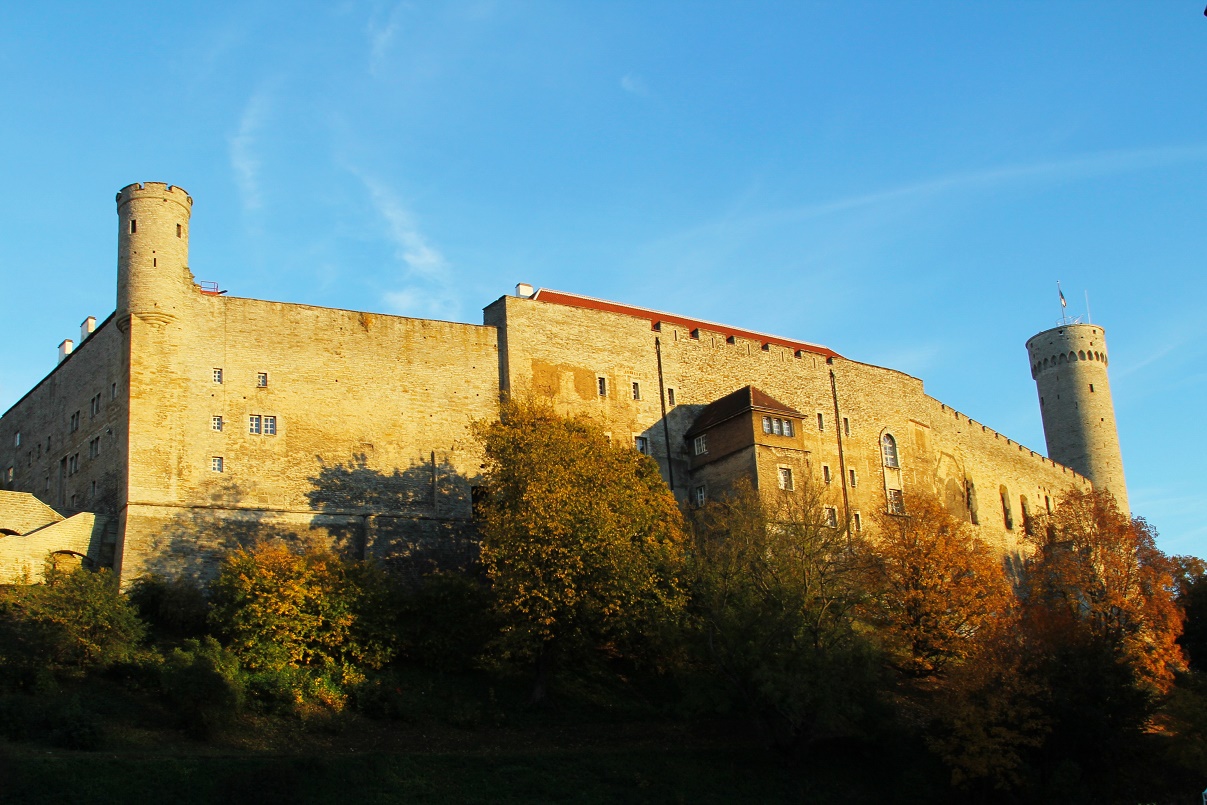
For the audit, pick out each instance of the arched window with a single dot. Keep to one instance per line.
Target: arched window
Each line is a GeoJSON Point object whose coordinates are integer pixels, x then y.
{"type": "Point", "coordinates": [888, 446]}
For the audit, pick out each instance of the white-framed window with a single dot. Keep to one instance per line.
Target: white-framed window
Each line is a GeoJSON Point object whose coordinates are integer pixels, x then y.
{"type": "Point", "coordinates": [217, 464]}
{"type": "Point", "coordinates": [216, 423]}
{"type": "Point", "coordinates": [851, 474]}
{"type": "Point", "coordinates": [699, 496]}
{"type": "Point", "coordinates": [262, 380]}
{"type": "Point", "coordinates": [700, 445]}
{"type": "Point", "coordinates": [766, 424]}
{"type": "Point", "coordinates": [218, 376]}
{"type": "Point", "coordinates": [602, 385]}
{"type": "Point", "coordinates": [831, 517]}
{"type": "Point", "coordinates": [253, 424]}
{"type": "Point", "coordinates": [642, 443]}
{"type": "Point", "coordinates": [896, 501]}
{"type": "Point", "coordinates": [670, 398]}
{"type": "Point", "coordinates": [636, 390]}
{"type": "Point", "coordinates": [888, 448]}
{"type": "Point", "coordinates": [825, 473]}
{"type": "Point", "coordinates": [777, 426]}
{"type": "Point", "coordinates": [270, 426]}
{"type": "Point", "coordinates": [785, 479]}
{"type": "Point", "coordinates": [788, 431]}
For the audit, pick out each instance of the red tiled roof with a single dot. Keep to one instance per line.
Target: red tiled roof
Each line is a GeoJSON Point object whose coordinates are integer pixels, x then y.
{"type": "Point", "coordinates": [747, 398]}
{"type": "Point", "coordinates": [656, 318]}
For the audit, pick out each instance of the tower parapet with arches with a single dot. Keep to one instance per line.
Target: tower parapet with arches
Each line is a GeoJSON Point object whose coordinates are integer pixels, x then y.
{"type": "Point", "coordinates": [1069, 364]}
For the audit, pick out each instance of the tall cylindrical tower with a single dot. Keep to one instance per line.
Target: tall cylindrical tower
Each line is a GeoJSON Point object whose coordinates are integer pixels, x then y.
{"type": "Point", "coordinates": [153, 278]}
{"type": "Point", "coordinates": [1069, 365]}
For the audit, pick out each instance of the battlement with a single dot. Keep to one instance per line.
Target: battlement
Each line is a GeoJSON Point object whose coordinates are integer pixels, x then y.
{"type": "Point", "coordinates": [160, 190]}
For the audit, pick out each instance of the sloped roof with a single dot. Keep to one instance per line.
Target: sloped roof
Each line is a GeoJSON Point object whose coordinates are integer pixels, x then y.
{"type": "Point", "coordinates": [22, 512]}
{"type": "Point", "coordinates": [747, 398]}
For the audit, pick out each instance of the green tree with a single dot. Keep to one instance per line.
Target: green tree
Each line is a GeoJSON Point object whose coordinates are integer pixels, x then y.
{"type": "Point", "coordinates": [581, 539]}
{"type": "Point", "coordinates": [307, 625]}
{"type": "Point", "coordinates": [774, 588]}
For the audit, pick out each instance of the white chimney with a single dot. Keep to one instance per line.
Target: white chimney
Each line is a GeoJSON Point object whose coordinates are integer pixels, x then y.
{"type": "Point", "coordinates": [65, 349]}
{"type": "Point", "coordinates": [87, 327]}
{"type": "Point", "coordinates": [523, 290]}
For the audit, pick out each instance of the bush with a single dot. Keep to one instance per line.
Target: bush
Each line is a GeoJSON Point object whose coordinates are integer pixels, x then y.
{"type": "Point", "coordinates": [76, 622]}
{"type": "Point", "coordinates": [203, 683]}
{"type": "Point", "coordinates": [446, 622]}
{"type": "Point", "coordinates": [172, 607]}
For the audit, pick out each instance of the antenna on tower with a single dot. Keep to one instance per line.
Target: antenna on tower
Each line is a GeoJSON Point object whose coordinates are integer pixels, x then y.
{"type": "Point", "coordinates": [1088, 318]}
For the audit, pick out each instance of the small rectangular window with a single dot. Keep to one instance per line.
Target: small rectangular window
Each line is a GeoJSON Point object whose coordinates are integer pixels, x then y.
{"type": "Point", "coordinates": [92, 491]}
{"type": "Point", "coordinates": [821, 422]}
{"type": "Point", "coordinates": [218, 376]}
{"type": "Point", "coordinates": [825, 473]}
{"type": "Point", "coordinates": [216, 464]}
{"type": "Point", "coordinates": [94, 447]}
{"type": "Point", "coordinates": [46, 484]}
{"type": "Point", "coordinates": [852, 473]}
{"type": "Point", "coordinates": [787, 427]}
{"type": "Point", "coordinates": [670, 398]}
{"type": "Point", "coordinates": [133, 226]}
{"type": "Point", "coordinates": [700, 445]}
{"type": "Point", "coordinates": [846, 426]}
{"type": "Point", "coordinates": [699, 496]}
{"type": "Point", "coordinates": [270, 426]}
{"type": "Point", "coordinates": [262, 380]}
{"type": "Point", "coordinates": [603, 386]}
{"type": "Point", "coordinates": [777, 426]}
{"type": "Point", "coordinates": [17, 439]}
{"type": "Point", "coordinates": [858, 523]}
{"type": "Point", "coordinates": [636, 390]}
{"type": "Point", "coordinates": [642, 443]}
{"type": "Point", "coordinates": [178, 230]}
{"type": "Point", "coordinates": [831, 517]}
{"type": "Point", "coordinates": [216, 423]}
{"type": "Point", "coordinates": [8, 474]}
{"type": "Point", "coordinates": [75, 422]}
{"type": "Point", "coordinates": [1091, 388]}
{"type": "Point", "coordinates": [766, 424]}
{"type": "Point", "coordinates": [896, 502]}
{"type": "Point", "coordinates": [113, 391]}
{"type": "Point", "coordinates": [73, 499]}
{"type": "Point", "coordinates": [73, 464]}
{"type": "Point", "coordinates": [785, 479]}
{"type": "Point", "coordinates": [253, 424]}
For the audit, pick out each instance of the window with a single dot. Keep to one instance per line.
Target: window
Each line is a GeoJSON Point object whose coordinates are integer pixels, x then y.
{"type": "Point", "coordinates": [787, 427]}
{"type": "Point", "coordinates": [73, 498]}
{"type": "Point", "coordinates": [896, 502]}
{"type": "Point", "coordinates": [777, 427]}
{"type": "Point", "coordinates": [8, 474]}
{"type": "Point", "coordinates": [858, 523]}
{"type": "Point", "coordinates": [74, 425]}
{"type": "Point", "coordinates": [766, 424]}
{"type": "Point", "coordinates": [94, 406]}
{"type": "Point", "coordinates": [46, 485]}
{"type": "Point", "coordinates": [831, 517]}
{"type": "Point", "coordinates": [92, 491]}
{"type": "Point", "coordinates": [670, 398]}
{"type": "Point", "coordinates": [216, 423]}
{"type": "Point", "coordinates": [94, 447]}
{"type": "Point", "coordinates": [133, 226]}
{"type": "Point", "coordinates": [699, 495]}
{"type": "Point", "coordinates": [636, 390]}
{"type": "Point", "coordinates": [218, 376]}
{"type": "Point", "coordinates": [846, 426]}
{"type": "Point", "coordinates": [852, 474]}
{"type": "Point", "coordinates": [262, 380]}
{"type": "Point", "coordinates": [1007, 515]}
{"type": "Point", "coordinates": [699, 445]}
{"type": "Point", "coordinates": [888, 447]}
{"type": "Point", "coordinates": [216, 464]}
{"type": "Point", "coordinates": [821, 422]}
{"type": "Point", "coordinates": [786, 479]}
{"type": "Point", "coordinates": [642, 443]}
{"type": "Point", "coordinates": [270, 426]}
{"type": "Point", "coordinates": [825, 473]}
{"type": "Point", "coordinates": [253, 424]}
{"type": "Point", "coordinates": [603, 386]}
{"type": "Point", "coordinates": [1091, 388]}
{"type": "Point", "coordinates": [73, 464]}
{"type": "Point", "coordinates": [970, 494]}
{"type": "Point", "coordinates": [113, 391]}
{"type": "Point", "coordinates": [178, 229]}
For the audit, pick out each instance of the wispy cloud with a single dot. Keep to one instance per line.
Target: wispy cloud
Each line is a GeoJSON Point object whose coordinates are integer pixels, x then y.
{"type": "Point", "coordinates": [381, 35]}
{"type": "Point", "coordinates": [426, 274]}
{"type": "Point", "coordinates": [244, 153]}
{"type": "Point", "coordinates": [634, 84]}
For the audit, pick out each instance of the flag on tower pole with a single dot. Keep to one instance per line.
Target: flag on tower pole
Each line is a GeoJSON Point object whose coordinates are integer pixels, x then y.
{"type": "Point", "coordinates": [1063, 303]}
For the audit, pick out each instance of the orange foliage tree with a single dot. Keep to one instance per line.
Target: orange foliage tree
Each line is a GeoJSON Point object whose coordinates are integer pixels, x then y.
{"type": "Point", "coordinates": [581, 539]}
{"type": "Point", "coordinates": [934, 588]}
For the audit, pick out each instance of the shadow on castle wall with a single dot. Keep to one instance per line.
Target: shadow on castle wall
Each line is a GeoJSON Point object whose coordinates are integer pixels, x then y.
{"type": "Point", "coordinates": [415, 521]}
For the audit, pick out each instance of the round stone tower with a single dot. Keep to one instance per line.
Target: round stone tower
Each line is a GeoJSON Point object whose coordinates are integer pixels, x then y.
{"type": "Point", "coordinates": [1069, 365]}
{"type": "Point", "coordinates": [153, 277]}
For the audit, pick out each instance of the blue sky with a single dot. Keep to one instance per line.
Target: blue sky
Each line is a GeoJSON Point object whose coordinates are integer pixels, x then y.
{"type": "Point", "coordinates": [903, 182]}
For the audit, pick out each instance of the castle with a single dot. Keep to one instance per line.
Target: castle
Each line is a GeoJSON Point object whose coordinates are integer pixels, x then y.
{"type": "Point", "coordinates": [190, 421]}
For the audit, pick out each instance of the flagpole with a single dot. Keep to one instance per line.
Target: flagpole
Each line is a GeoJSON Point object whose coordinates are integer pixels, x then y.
{"type": "Point", "coordinates": [1088, 318]}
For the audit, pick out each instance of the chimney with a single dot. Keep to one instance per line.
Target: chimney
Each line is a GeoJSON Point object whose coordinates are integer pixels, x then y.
{"type": "Point", "coordinates": [523, 290]}
{"type": "Point", "coordinates": [87, 327]}
{"type": "Point", "coordinates": [65, 349]}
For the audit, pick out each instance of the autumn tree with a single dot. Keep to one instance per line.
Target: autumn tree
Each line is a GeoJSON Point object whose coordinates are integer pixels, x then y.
{"type": "Point", "coordinates": [774, 586]}
{"type": "Point", "coordinates": [302, 624]}
{"type": "Point", "coordinates": [581, 538]}
{"type": "Point", "coordinates": [934, 588]}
